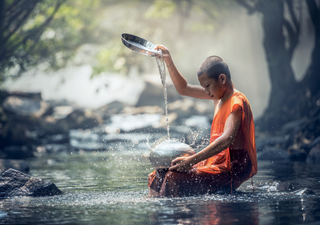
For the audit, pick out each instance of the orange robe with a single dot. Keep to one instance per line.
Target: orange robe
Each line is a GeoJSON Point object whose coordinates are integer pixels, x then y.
{"type": "Point", "coordinates": [224, 171]}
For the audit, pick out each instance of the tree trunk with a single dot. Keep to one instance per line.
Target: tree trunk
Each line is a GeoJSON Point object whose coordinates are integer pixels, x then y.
{"type": "Point", "coordinates": [283, 83]}
{"type": "Point", "coordinates": [280, 71]}
{"type": "Point", "coordinates": [312, 77]}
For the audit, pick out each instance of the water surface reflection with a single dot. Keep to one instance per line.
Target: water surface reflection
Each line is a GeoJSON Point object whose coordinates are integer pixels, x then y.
{"type": "Point", "coordinates": [111, 188]}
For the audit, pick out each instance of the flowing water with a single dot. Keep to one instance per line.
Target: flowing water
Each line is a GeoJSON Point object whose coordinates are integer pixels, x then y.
{"type": "Point", "coordinates": [110, 187]}
{"type": "Point", "coordinates": [162, 71]}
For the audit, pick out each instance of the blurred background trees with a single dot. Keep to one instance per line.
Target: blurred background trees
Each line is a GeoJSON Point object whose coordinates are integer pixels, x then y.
{"type": "Point", "coordinates": [35, 32]}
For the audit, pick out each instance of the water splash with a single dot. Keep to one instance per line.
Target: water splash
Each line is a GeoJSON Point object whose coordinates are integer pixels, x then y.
{"type": "Point", "coordinates": [162, 71]}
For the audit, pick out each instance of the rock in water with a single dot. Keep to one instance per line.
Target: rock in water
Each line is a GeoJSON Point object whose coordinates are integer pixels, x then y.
{"type": "Point", "coordinates": [15, 183]}
{"type": "Point", "coordinates": [275, 186]}
{"type": "Point", "coordinates": [162, 155]}
{"type": "Point", "coordinates": [304, 191]}
{"type": "Point", "coordinates": [25, 106]}
{"type": "Point", "coordinates": [314, 154]}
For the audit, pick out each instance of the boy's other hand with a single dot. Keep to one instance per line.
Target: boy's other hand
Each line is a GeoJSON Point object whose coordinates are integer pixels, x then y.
{"type": "Point", "coordinates": [181, 164]}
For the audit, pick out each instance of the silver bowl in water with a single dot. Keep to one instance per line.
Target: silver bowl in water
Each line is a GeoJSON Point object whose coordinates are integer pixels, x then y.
{"type": "Point", "coordinates": [139, 44]}
{"type": "Point", "coordinates": [162, 155]}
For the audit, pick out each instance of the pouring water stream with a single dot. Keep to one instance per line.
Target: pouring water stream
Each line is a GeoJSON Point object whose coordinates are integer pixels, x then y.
{"type": "Point", "coordinates": [162, 71]}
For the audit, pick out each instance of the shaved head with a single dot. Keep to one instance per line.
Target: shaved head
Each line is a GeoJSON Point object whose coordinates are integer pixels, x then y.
{"type": "Point", "coordinates": [213, 66]}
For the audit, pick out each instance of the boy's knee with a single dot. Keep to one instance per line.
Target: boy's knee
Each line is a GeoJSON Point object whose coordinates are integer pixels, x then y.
{"type": "Point", "coordinates": [172, 175]}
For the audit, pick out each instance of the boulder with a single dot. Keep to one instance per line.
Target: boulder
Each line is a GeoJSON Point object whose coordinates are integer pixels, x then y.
{"type": "Point", "coordinates": [297, 154]}
{"type": "Point", "coordinates": [17, 130]}
{"type": "Point", "coordinates": [272, 153]}
{"type": "Point", "coordinates": [24, 106]}
{"type": "Point", "coordinates": [314, 154]}
{"type": "Point", "coordinates": [304, 191]}
{"type": "Point", "coordinates": [60, 112]}
{"type": "Point", "coordinates": [78, 119]}
{"type": "Point", "coordinates": [275, 186]}
{"type": "Point", "coordinates": [15, 183]}
{"type": "Point", "coordinates": [315, 142]}
{"type": "Point", "coordinates": [305, 138]}
{"type": "Point", "coordinates": [15, 164]}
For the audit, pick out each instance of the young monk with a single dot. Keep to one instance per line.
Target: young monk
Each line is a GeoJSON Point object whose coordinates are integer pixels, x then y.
{"type": "Point", "coordinates": [230, 158]}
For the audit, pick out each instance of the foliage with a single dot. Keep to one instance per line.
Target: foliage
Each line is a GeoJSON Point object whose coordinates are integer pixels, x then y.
{"type": "Point", "coordinates": [36, 31]}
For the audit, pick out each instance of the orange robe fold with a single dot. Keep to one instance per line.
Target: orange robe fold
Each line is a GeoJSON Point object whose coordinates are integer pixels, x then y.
{"type": "Point", "coordinates": [228, 169]}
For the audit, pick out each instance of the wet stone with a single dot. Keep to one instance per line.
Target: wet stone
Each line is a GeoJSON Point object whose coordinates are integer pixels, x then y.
{"type": "Point", "coordinates": [15, 183]}
{"type": "Point", "coordinates": [304, 191]}
{"type": "Point", "coordinates": [275, 186]}
{"type": "Point", "coordinates": [299, 154]}
{"type": "Point", "coordinates": [314, 154]}
{"type": "Point", "coordinates": [25, 106]}
{"type": "Point", "coordinates": [315, 142]}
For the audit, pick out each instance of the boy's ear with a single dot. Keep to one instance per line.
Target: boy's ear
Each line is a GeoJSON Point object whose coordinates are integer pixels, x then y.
{"type": "Point", "coordinates": [223, 78]}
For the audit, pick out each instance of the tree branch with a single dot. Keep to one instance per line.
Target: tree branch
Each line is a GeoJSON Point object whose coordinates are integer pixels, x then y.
{"type": "Point", "coordinates": [23, 20]}
{"type": "Point", "coordinates": [16, 14]}
{"type": "Point", "coordinates": [39, 30]}
{"type": "Point", "coordinates": [12, 5]}
{"type": "Point", "coordinates": [293, 38]}
{"type": "Point", "coordinates": [293, 16]}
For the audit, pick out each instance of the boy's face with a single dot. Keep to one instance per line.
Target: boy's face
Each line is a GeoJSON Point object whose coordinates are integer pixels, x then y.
{"type": "Point", "coordinates": [215, 89]}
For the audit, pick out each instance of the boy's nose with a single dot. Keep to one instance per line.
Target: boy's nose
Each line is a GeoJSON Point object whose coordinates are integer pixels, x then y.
{"type": "Point", "coordinates": [206, 91]}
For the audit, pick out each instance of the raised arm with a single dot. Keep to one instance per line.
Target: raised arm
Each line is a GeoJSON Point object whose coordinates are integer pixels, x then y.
{"type": "Point", "coordinates": [180, 83]}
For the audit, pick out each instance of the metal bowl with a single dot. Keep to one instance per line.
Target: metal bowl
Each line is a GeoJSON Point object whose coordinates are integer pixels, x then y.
{"type": "Point", "coordinates": [162, 155]}
{"type": "Point", "coordinates": [139, 44]}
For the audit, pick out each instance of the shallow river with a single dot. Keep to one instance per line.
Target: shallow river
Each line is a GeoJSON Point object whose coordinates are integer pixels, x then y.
{"type": "Point", "coordinates": [110, 187]}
